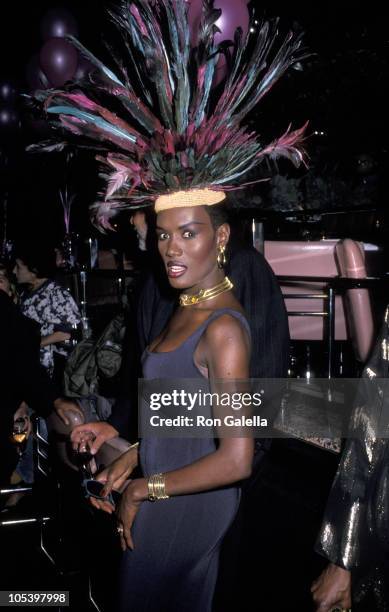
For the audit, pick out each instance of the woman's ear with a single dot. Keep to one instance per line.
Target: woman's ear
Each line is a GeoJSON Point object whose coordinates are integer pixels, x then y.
{"type": "Point", "coordinates": [223, 234]}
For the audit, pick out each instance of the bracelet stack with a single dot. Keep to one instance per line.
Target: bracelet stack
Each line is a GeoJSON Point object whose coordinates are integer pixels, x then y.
{"type": "Point", "coordinates": [156, 487]}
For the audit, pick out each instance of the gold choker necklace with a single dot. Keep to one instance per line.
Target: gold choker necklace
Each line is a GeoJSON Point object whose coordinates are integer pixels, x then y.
{"type": "Point", "coordinates": [206, 294]}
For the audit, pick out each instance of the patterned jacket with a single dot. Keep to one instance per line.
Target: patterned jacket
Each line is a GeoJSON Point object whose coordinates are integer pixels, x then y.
{"type": "Point", "coordinates": [54, 309]}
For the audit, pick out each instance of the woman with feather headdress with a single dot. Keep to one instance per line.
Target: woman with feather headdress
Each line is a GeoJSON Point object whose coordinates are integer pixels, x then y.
{"type": "Point", "coordinates": [167, 139]}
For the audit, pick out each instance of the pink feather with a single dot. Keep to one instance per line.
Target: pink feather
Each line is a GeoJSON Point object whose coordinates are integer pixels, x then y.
{"type": "Point", "coordinates": [116, 181]}
{"type": "Point", "coordinates": [81, 100]}
{"type": "Point", "coordinates": [135, 13]}
{"type": "Point", "coordinates": [169, 143]}
{"type": "Point", "coordinates": [289, 145]}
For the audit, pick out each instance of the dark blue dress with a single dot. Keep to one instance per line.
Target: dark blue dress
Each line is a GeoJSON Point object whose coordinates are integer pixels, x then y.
{"type": "Point", "coordinates": [174, 565]}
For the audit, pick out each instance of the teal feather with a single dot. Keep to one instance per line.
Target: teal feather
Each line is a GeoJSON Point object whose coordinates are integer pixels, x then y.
{"type": "Point", "coordinates": [90, 118]}
{"type": "Point", "coordinates": [96, 62]}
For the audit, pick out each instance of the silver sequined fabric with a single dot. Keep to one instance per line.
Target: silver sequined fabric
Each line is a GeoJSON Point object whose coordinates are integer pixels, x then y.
{"type": "Point", "coordinates": [355, 529]}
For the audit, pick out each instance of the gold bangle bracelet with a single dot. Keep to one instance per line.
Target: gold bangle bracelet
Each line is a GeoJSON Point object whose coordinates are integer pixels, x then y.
{"type": "Point", "coordinates": [156, 488]}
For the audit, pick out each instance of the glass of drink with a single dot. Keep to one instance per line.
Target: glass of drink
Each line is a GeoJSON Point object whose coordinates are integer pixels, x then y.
{"type": "Point", "coordinates": [83, 456]}
{"type": "Point", "coordinates": [20, 434]}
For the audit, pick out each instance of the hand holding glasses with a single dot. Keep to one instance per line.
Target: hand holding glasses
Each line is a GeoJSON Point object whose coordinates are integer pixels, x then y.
{"type": "Point", "coordinates": [92, 488]}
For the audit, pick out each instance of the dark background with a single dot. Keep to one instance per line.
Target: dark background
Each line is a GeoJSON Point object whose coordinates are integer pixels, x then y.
{"type": "Point", "coordinates": [341, 91]}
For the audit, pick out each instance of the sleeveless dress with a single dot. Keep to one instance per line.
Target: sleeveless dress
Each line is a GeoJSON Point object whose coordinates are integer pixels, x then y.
{"type": "Point", "coordinates": [174, 565]}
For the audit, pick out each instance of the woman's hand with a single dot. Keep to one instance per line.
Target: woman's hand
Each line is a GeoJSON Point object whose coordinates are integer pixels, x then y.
{"type": "Point", "coordinates": [135, 493]}
{"type": "Point", "coordinates": [102, 504]}
{"type": "Point", "coordinates": [101, 430]}
{"type": "Point", "coordinates": [68, 410]}
{"type": "Point", "coordinates": [332, 589]}
{"type": "Point", "coordinates": [114, 477]}
{"type": "Point", "coordinates": [55, 338]}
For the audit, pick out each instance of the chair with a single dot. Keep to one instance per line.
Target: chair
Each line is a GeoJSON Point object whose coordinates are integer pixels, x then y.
{"type": "Point", "coordinates": [351, 261]}
{"type": "Point", "coordinates": [319, 314]}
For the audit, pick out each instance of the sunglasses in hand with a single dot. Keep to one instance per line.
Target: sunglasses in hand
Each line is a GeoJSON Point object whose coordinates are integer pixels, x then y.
{"type": "Point", "coordinates": [91, 487]}
{"type": "Point", "coordinates": [94, 488]}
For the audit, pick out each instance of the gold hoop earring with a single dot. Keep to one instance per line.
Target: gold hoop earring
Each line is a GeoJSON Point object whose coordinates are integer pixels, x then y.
{"type": "Point", "coordinates": [221, 256]}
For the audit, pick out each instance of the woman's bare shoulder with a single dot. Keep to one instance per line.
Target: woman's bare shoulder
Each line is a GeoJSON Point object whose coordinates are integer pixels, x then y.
{"type": "Point", "coordinates": [226, 328]}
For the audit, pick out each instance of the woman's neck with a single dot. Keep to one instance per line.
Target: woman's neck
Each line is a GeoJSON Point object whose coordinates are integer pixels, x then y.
{"type": "Point", "coordinates": [207, 283]}
{"type": "Point", "coordinates": [37, 283]}
{"type": "Point", "coordinates": [203, 295]}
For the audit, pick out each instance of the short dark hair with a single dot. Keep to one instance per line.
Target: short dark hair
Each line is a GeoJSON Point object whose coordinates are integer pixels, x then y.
{"type": "Point", "coordinates": [39, 259]}
{"type": "Point", "coordinates": [218, 214]}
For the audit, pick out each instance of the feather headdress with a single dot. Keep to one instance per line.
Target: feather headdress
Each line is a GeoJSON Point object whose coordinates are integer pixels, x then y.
{"type": "Point", "coordinates": [155, 123]}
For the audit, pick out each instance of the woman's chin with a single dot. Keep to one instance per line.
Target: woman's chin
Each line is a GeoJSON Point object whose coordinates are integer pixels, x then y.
{"type": "Point", "coordinates": [178, 283]}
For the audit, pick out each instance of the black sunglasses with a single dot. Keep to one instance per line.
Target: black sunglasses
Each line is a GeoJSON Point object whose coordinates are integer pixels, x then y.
{"type": "Point", "coordinates": [93, 488]}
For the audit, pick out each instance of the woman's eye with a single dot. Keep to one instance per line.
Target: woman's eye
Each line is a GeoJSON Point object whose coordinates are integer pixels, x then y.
{"type": "Point", "coordinates": [188, 234]}
{"type": "Point", "coordinates": [162, 236]}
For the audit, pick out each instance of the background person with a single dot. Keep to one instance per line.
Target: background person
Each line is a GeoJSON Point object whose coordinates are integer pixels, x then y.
{"type": "Point", "coordinates": [6, 282]}
{"type": "Point", "coordinates": [54, 310]}
{"type": "Point", "coordinates": [47, 303]}
{"type": "Point", "coordinates": [23, 379]}
{"type": "Point", "coordinates": [354, 535]}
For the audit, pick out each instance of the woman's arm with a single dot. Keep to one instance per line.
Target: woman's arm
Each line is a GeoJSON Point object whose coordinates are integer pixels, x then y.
{"type": "Point", "coordinates": [54, 338]}
{"type": "Point", "coordinates": [64, 311]}
{"type": "Point", "coordinates": [225, 349]}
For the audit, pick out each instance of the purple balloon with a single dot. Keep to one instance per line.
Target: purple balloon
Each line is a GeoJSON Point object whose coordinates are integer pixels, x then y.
{"type": "Point", "coordinates": [84, 68]}
{"type": "Point", "coordinates": [35, 76]}
{"type": "Point", "coordinates": [7, 92]}
{"type": "Point", "coordinates": [58, 60]}
{"type": "Point", "coordinates": [9, 118]}
{"type": "Point", "coordinates": [235, 14]}
{"type": "Point", "coordinates": [58, 23]}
